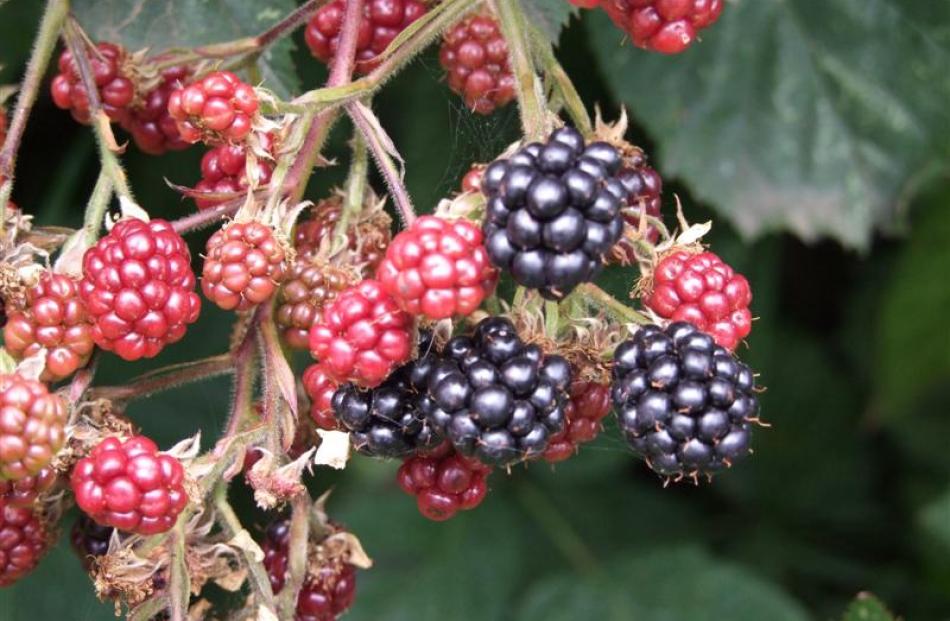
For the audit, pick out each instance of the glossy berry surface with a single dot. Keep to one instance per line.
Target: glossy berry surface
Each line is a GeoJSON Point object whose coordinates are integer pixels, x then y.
{"type": "Point", "coordinates": [644, 196]}
{"type": "Point", "coordinates": [23, 541]}
{"type": "Point", "coordinates": [443, 482]}
{"type": "Point", "coordinates": [362, 335]}
{"type": "Point", "coordinates": [684, 404]}
{"type": "Point", "coordinates": [152, 127]}
{"type": "Point", "coordinates": [217, 108]}
{"type": "Point", "coordinates": [588, 405]}
{"type": "Point", "coordinates": [701, 289]}
{"type": "Point", "coordinates": [115, 89]}
{"type": "Point", "coordinates": [495, 398]}
{"type": "Point", "coordinates": [475, 57]}
{"type": "Point", "coordinates": [438, 268]}
{"type": "Point", "coordinates": [224, 173]}
{"type": "Point", "coordinates": [327, 592]}
{"type": "Point", "coordinates": [139, 288]}
{"type": "Point", "coordinates": [129, 485]}
{"type": "Point", "coordinates": [320, 388]}
{"type": "Point", "coordinates": [32, 424]}
{"type": "Point", "coordinates": [89, 540]}
{"type": "Point", "coordinates": [386, 421]}
{"type": "Point", "coordinates": [53, 318]}
{"type": "Point", "coordinates": [665, 26]}
{"type": "Point", "coordinates": [554, 211]}
{"type": "Point", "coordinates": [3, 125]}
{"type": "Point", "coordinates": [244, 264]}
{"type": "Point", "coordinates": [23, 493]}
{"type": "Point", "coordinates": [382, 21]}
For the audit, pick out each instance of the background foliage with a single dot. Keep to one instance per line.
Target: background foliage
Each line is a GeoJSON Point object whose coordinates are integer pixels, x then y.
{"type": "Point", "coordinates": [817, 133]}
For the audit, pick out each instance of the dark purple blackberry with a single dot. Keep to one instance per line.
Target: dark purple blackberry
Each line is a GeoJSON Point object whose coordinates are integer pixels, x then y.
{"type": "Point", "coordinates": [685, 404]}
{"type": "Point", "coordinates": [554, 211]}
{"type": "Point", "coordinates": [90, 539]}
{"type": "Point", "coordinates": [386, 421]}
{"type": "Point", "coordinates": [495, 398]}
{"type": "Point", "coordinates": [644, 194]}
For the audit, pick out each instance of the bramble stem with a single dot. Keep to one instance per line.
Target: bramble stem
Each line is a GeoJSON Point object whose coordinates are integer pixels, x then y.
{"type": "Point", "coordinates": [561, 81]}
{"type": "Point", "coordinates": [244, 372]}
{"type": "Point", "coordinates": [179, 583]}
{"type": "Point", "coordinates": [514, 27]}
{"type": "Point", "coordinates": [167, 378]}
{"type": "Point", "coordinates": [96, 207]}
{"type": "Point", "coordinates": [551, 312]}
{"type": "Point", "coordinates": [50, 26]}
{"type": "Point", "coordinates": [297, 554]}
{"type": "Point", "coordinates": [355, 193]}
{"type": "Point", "coordinates": [231, 526]}
{"type": "Point", "coordinates": [206, 217]}
{"type": "Point", "coordinates": [608, 302]}
{"type": "Point", "coordinates": [148, 609]}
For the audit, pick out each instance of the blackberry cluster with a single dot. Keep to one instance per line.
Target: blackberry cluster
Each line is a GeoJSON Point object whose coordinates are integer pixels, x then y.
{"type": "Point", "coordinates": [496, 398]}
{"type": "Point", "coordinates": [386, 421]}
{"type": "Point", "coordinates": [685, 404]}
{"type": "Point", "coordinates": [554, 211]}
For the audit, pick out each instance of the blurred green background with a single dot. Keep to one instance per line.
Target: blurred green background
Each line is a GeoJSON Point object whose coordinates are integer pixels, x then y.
{"type": "Point", "coordinates": [816, 135]}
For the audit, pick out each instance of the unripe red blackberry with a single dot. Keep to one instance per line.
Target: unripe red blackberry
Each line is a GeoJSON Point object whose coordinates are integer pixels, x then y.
{"type": "Point", "coordinates": [32, 424]}
{"type": "Point", "coordinates": [438, 268]}
{"type": "Point", "coordinates": [224, 171]}
{"type": "Point", "coordinates": [23, 541]}
{"type": "Point", "coordinates": [589, 404]}
{"type": "Point", "coordinates": [475, 56]}
{"type": "Point", "coordinates": [152, 128]}
{"type": "Point", "coordinates": [645, 195]}
{"type": "Point", "coordinates": [684, 404]}
{"type": "Point", "coordinates": [53, 317]}
{"type": "Point", "coordinates": [308, 288]}
{"type": "Point", "coordinates": [362, 335]}
{"type": "Point", "coordinates": [3, 125]}
{"type": "Point", "coordinates": [382, 21]}
{"type": "Point", "coordinates": [217, 108]}
{"type": "Point", "coordinates": [89, 540]}
{"type": "Point", "coordinates": [443, 482]}
{"type": "Point", "coordinates": [320, 388]}
{"type": "Point", "coordinates": [328, 590]}
{"type": "Point", "coordinates": [665, 26]}
{"type": "Point", "coordinates": [129, 485]}
{"type": "Point", "coordinates": [139, 289]}
{"type": "Point", "coordinates": [244, 264]}
{"type": "Point", "coordinates": [472, 181]}
{"type": "Point", "coordinates": [113, 79]}
{"type": "Point", "coordinates": [22, 493]}
{"type": "Point", "coordinates": [702, 290]}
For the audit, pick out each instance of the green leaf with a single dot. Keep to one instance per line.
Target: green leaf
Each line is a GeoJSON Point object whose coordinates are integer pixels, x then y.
{"type": "Point", "coordinates": [141, 24]}
{"type": "Point", "coordinates": [913, 355]}
{"type": "Point", "coordinates": [673, 584]}
{"type": "Point", "coordinates": [815, 116]}
{"type": "Point", "coordinates": [866, 607]}
{"type": "Point", "coordinates": [549, 16]}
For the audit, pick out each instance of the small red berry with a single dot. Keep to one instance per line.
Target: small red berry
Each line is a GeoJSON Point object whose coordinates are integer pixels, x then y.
{"type": "Point", "coordinates": [23, 542]}
{"type": "Point", "coordinates": [116, 89]}
{"type": "Point", "coordinates": [438, 268]}
{"type": "Point", "coordinates": [320, 386]}
{"type": "Point", "coordinates": [3, 125]}
{"type": "Point", "coordinates": [22, 493]}
{"type": "Point", "coordinates": [382, 21]}
{"type": "Point", "coordinates": [475, 55]}
{"type": "Point", "coordinates": [32, 422]}
{"type": "Point", "coordinates": [362, 335]}
{"type": "Point", "coordinates": [472, 181]}
{"type": "Point", "coordinates": [704, 291]}
{"type": "Point", "coordinates": [665, 26]}
{"type": "Point", "coordinates": [139, 288]}
{"type": "Point", "coordinates": [244, 264]}
{"type": "Point", "coordinates": [644, 195]}
{"type": "Point", "coordinates": [224, 171]}
{"type": "Point", "coordinates": [589, 404]}
{"type": "Point", "coordinates": [53, 318]}
{"type": "Point", "coordinates": [129, 485]}
{"type": "Point", "coordinates": [215, 109]}
{"type": "Point", "coordinates": [444, 482]}
{"type": "Point", "coordinates": [152, 128]}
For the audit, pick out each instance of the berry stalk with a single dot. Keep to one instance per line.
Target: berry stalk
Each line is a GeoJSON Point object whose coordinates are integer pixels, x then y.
{"type": "Point", "coordinates": [297, 555]}
{"type": "Point", "coordinates": [612, 304]}
{"type": "Point", "coordinates": [561, 81]}
{"type": "Point", "coordinates": [355, 192]}
{"type": "Point", "coordinates": [167, 378]}
{"type": "Point", "coordinates": [179, 583]}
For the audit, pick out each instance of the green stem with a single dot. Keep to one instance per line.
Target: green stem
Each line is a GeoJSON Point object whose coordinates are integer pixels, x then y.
{"type": "Point", "coordinates": [179, 582]}
{"type": "Point", "coordinates": [610, 303]}
{"type": "Point", "coordinates": [551, 310]}
{"type": "Point", "coordinates": [167, 378]}
{"type": "Point", "coordinates": [514, 27]}
{"type": "Point", "coordinates": [562, 82]}
{"type": "Point", "coordinates": [297, 555]}
{"type": "Point", "coordinates": [355, 193]}
{"type": "Point", "coordinates": [148, 610]}
{"type": "Point", "coordinates": [96, 208]}
{"type": "Point", "coordinates": [231, 526]}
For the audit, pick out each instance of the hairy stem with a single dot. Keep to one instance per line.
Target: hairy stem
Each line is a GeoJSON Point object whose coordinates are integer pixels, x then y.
{"type": "Point", "coordinates": [147, 610]}
{"type": "Point", "coordinates": [231, 525]}
{"type": "Point", "coordinates": [52, 22]}
{"type": "Point", "coordinates": [96, 207]}
{"type": "Point", "coordinates": [297, 554]}
{"type": "Point", "coordinates": [381, 146]}
{"type": "Point", "coordinates": [514, 27]}
{"type": "Point", "coordinates": [561, 81]}
{"type": "Point", "coordinates": [355, 193]}
{"type": "Point", "coordinates": [551, 317]}
{"type": "Point", "coordinates": [167, 378]}
{"type": "Point", "coordinates": [206, 217]}
{"type": "Point", "coordinates": [244, 373]}
{"type": "Point", "coordinates": [179, 583]}
{"type": "Point", "coordinates": [609, 303]}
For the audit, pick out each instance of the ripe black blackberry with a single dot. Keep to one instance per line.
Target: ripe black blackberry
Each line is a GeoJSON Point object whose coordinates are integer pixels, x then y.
{"type": "Point", "coordinates": [685, 404]}
{"type": "Point", "coordinates": [554, 211]}
{"type": "Point", "coordinates": [89, 539]}
{"type": "Point", "coordinates": [386, 421]}
{"type": "Point", "coordinates": [495, 398]}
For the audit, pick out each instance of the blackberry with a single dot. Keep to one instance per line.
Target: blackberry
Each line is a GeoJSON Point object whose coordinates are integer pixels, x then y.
{"type": "Point", "coordinates": [685, 404]}
{"type": "Point", "coordinates": [90, 540]}
{"type": "Point", "coordinates": [496, 398]}
{"type": "Point", "coordinates": [554, 211]}
{"type": "Point", "coordinates": [386, 421]}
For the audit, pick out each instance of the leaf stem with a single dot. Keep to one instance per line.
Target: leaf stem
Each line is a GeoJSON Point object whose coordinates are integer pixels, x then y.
{"type": "Point", "coordinates": [297, 554]}
{"type": "Point", "coordinates": [561, 81]}
{"type": "Point", "coordinates": [551, 311]}
{"type": "Point", "coordinates": [355, 192]}
{"type": "Point", "coordinates": [167, 378]}
{"type": "Point", "coordinates": [605, 300]}
{"type": "Point", "coordinates": [179, 583]}
{"type": "Point", "coordinates": [514, 27]}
